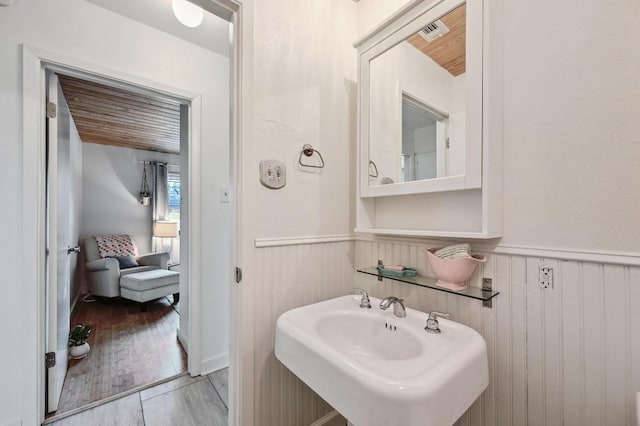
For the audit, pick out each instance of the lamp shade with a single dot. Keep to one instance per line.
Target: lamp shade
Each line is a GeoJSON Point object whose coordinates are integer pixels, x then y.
{"type": "Point", "coordinates": [165, 229]}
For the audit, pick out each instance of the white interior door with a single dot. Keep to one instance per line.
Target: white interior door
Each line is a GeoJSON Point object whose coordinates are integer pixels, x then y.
{"type": "Point", "coordinates": [425, 165]}
{"type": "Point", "coordinates": [61, 240]}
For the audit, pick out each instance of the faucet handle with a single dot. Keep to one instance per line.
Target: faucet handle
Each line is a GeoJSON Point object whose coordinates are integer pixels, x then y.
{"type": "Point", "coordinates": [363, 291]}
{"type": "Point", "coordinates": [433, 315]}
{"type": "Point", "coordinates": [365, 303]}
{"type": "Point", "coordinates": [433, 326]}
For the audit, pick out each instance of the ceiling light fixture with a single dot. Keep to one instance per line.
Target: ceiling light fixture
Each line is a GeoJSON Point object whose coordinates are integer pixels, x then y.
{"type": "Point", "coordinates": [187, 13]}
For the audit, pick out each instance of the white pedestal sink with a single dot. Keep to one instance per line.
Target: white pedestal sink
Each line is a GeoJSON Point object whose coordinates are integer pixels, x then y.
{"type": "Point", "coordinates": [377, 369]}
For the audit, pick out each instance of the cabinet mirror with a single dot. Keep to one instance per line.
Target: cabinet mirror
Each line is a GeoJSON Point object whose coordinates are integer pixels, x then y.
{"type": "Point", "coordinates": [421, 101]}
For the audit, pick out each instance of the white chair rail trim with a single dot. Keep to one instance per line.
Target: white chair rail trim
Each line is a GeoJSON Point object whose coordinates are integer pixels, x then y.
{"type": "Point", "coordinates": [295, 241]}
{"type": "Point", "coordinates": [592, 256]}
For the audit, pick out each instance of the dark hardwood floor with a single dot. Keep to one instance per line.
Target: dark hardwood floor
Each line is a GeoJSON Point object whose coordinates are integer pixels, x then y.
{"type": "Point", "coordinates": [129, 348]}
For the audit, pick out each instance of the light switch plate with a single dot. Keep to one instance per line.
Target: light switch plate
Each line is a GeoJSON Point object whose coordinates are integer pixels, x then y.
{"type": "Point", "coordinates": [273, 174]}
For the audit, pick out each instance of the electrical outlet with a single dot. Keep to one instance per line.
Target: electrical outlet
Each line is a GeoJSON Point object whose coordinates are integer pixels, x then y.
{"type": "Point", "coordinates": [546, 278]}
{"type": "Point", "coordinates": [273, 174]}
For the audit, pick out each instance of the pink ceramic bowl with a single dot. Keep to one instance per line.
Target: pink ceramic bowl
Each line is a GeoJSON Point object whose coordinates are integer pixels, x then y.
{"type": "Point", "coordinates": [453, 273]}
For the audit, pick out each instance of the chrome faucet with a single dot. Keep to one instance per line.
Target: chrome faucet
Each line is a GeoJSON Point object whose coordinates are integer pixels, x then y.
{"type": "Point", "coordinates": [433, 326]}
{"type": "Point", "coordinates": [364, 302]}
{"type": "Point", "coordinates": [398, 306]}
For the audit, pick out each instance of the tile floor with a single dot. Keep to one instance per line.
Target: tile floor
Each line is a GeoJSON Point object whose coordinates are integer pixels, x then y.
{"type": "Point", "coordinates": [185, 400]}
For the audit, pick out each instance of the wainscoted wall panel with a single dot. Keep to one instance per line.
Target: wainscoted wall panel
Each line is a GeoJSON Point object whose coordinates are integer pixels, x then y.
{"type": "Point", "coordinates": [567, 355]}
{"type": "Point", "coordinates": [292, 276]}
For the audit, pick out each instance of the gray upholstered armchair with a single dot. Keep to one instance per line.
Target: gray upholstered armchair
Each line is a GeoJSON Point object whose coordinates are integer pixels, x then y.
{"type": "Point", "coordinates": [104, 273]}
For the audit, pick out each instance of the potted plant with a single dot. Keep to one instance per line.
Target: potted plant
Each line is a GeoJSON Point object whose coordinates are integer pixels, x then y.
{"type": "Point", "coordinates": [145, 194]}
{"type": "Point", "coordinates": [78, 347]}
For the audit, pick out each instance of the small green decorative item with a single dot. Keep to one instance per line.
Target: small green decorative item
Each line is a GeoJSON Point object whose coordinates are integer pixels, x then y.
{"type": "Point", "coordinates": [397, 272]}
{"type": "Point", "coordinates": [78, 347]}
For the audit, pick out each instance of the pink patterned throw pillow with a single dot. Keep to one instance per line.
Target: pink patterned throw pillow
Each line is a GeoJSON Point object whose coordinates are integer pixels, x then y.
{"type": "Point", "coordinates": [116, 245]}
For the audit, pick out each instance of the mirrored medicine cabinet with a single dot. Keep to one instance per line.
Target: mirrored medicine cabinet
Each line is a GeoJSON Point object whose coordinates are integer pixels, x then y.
{"type": "Point", "coordinates": [424, 98]}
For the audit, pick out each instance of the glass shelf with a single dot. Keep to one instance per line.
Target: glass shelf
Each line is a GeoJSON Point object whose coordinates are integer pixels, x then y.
{"type": "Point", "coordinates": [472, 292]}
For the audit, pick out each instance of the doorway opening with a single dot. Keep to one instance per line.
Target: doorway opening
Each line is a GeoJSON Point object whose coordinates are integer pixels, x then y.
{"type": "Point", "coordinates": [195, 89]}
{"type": "Point", "coordinates": [115, 157]}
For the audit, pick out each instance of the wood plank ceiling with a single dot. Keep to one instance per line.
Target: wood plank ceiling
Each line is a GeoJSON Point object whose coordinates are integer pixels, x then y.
{"type": "Point", "coordinates": [112, 116]}
{"type": "Point", "coordinates": [447, 51]}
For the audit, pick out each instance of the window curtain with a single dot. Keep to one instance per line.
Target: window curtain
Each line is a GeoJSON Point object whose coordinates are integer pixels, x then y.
{"type": "Point", "coordinates": [160, 201]}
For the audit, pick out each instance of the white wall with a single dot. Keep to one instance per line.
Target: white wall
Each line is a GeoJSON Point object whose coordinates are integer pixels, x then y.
{"type": "Point", "coordinates": [304, 93]}
{"type": "Point", "coordinates": [373, 12]}
{"type": "Point", "coordinates": [292, 276]}
{"type": "Point", "coordinates": [570, 166]}
{"type": "Point", "coordinates": [422, 140]}
{"type": "Point", "coordinates": [112, 177]}
{"type": "Point", "coordinates": [570, 129]}
{"type": "Point", "coordinates": [81, 30]}
{"type": "Point", "coordinates": [303, 90]}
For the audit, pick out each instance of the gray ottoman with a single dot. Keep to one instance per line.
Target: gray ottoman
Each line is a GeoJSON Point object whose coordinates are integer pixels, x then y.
{"type": "Point", "coordinates": [150, 285]}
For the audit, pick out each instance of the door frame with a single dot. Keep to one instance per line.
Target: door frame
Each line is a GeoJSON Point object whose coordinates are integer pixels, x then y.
{"type": "Point", "coordinates": [33, 245]}
{"type": "Point", "coordinates": [49, 61]}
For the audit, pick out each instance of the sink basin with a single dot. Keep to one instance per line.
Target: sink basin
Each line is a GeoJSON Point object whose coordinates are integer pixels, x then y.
{"type": "Point", "coordinates": [377, 369]}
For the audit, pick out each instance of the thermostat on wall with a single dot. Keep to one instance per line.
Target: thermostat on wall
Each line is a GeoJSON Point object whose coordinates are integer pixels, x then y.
{"type": "Point", "coordinates": [273, 174]}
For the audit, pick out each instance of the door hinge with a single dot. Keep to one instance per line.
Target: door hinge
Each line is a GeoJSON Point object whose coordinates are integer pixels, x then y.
{"type": "Point", "coordinates": [238, 275]}
{"type": "Point", "coordinates": [49, 359]}
{"type": "Point", "coordinates": [51, 110]}
{"type": "Point", "coordinates": [448, 143]}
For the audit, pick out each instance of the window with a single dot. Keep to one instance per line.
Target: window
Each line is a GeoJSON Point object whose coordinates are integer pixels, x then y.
{"type": "Point", "coordinates": [173, 185]}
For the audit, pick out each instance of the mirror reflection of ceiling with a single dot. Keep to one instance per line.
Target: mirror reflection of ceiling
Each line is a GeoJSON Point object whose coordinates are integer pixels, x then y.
{"type": "Point", "coordinates": [448, 51]}
{"type": "Point", "coordinates": [212, 34]}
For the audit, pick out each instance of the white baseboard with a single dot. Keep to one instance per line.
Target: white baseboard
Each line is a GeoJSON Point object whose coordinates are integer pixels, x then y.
{"type": "Point", "coordinates": [332, 419]}
{"type": "Point", "coordinates": [74, 304]}
{"type": "Point", "coordinates": [215, 363]}
{"type": "Point", "coordinates": [182, 338]}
